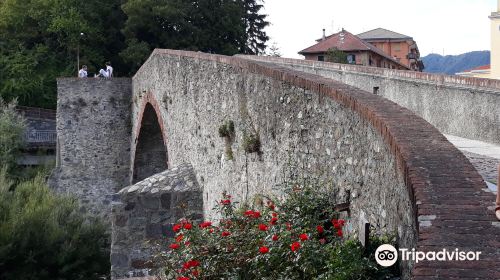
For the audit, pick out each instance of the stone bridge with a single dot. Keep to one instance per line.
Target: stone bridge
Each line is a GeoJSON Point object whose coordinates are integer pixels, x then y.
{"type": "Point", "coordinates": [389, 159]}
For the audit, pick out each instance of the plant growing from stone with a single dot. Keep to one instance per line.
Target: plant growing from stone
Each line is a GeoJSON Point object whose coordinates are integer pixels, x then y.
{"type": "Point", "coordinates": [227, 129]}
{"type": "Point", "coordinates": [300, 237]}
{"type": "Point", "coordinates": [251, 143]}
{"type": "Point", "coordinates": [227, 132]}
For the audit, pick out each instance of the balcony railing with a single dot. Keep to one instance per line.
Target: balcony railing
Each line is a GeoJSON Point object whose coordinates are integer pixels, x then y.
{"type": "Point", "coordinates": [412, 56]}
{"type": "Point", "coordinates": [41, 136]}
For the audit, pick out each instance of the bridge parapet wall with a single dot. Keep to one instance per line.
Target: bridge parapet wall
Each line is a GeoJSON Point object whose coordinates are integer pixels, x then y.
{"type": "Point", "coordinates": [462, 106]}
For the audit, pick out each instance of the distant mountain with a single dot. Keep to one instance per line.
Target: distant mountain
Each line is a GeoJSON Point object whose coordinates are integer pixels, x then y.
{"type": "Point", "coordinates": [451, 64]}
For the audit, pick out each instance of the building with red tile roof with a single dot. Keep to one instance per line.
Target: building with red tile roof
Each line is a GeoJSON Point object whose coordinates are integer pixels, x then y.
{"type": "Point", "coordinates": [358, 51]}
{"type": "Point", "coordinates": [398, 46]}
{"type": "Point", "coordinates": [479, 72]}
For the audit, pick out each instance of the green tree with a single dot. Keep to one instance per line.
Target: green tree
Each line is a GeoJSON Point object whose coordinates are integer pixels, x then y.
{"type": "Point", "coordinates": [44, 236]}
{"type": "Point", "coordinates": [337, 56]}
{"type": "Point", "coordinates": [274, 50]}
{"type": "Point", "coordinates": [12, 127]}
{"type": "Point", "coordinates": [39, 41]}
{"type": "Point", "coordinates": [214, 26]}
{"type": "Point", "coordinates": [255, 22]}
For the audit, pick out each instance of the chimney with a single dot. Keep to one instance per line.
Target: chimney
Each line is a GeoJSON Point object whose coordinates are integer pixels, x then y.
{"type": "Point", "coordinates": [324, 35]}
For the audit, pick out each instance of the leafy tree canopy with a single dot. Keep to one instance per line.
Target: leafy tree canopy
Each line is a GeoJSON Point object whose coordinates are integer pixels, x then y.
{"type": "Point", "coordinates": [39, 39]}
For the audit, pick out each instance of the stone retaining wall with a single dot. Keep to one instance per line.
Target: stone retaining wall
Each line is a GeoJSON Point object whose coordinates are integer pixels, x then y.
{"type": "Point", "coordinates": [144, 215]}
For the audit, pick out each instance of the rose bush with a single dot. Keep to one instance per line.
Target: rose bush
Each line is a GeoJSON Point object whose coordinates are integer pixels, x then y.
{"type": "Point", "coordinates": [297, 237]}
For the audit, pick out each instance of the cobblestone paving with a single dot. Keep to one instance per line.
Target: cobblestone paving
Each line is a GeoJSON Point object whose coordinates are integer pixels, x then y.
{"type": "Point", "coordinates": [486, 166]}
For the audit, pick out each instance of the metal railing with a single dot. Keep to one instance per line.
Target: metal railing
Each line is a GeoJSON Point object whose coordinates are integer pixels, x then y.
{"type": "Point", "coordinates": [41, 136]}
{"type": "Point", "coordinates": [37, 113]}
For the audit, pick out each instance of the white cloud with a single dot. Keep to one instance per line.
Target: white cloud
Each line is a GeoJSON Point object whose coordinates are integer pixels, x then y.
{"type": "Point", "coordinates": [455, 26]}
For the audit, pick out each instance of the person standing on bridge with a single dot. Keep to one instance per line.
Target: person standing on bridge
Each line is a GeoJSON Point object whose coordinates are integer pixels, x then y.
{"type": "Point", "coordinates": [83, 72]}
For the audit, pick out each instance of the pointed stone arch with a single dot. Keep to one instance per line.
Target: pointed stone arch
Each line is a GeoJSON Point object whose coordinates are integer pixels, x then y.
{"type": "Point", "coordinates": [150, 155]}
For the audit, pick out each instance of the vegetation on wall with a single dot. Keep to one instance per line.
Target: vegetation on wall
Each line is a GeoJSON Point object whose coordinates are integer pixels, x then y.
{"type": "Point", "coordinates": [251, 143]}
{"type": "Point", "coordinates": [40, 39]}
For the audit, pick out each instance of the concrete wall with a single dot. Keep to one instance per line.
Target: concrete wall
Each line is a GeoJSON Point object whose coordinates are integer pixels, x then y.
{"type": "Point", "coordinates": [302, 133]}
{"type": "Point", "coordinates": [93, 133]}
{"type": "Point", "coordinates": [461, 106]}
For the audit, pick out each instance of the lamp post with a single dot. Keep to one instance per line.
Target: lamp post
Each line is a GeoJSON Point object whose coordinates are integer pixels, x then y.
{"type": "Point", "coordinates": [78, 54]}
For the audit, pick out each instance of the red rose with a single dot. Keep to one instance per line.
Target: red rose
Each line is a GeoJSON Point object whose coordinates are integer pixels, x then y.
{"type": "Point", "coordinates": [303, 237]}
{"type": "Point", "coordinates": [195, 273]}
{"type": "Point", "coordinates": [256, 214]}
{"type": "Point", "coordinates": [191, 263]}
{"type": "Point", "coordinates": [340, 233]}
{"type": "Point", "coordinates": [188, 226]}
{"type": "Point", "coordinates": [273, 221]}
{"type": "Point", "coordinates": [179, 238]}
{"type": "Point", "coordinates": [288, 226]}
{"type": "Point", "coordinates": [225, 233]}
{"type": "Point", "coordinates": [338, 224]}
{"type": "Point", "coordinates": [248, 213]}
{"type": "Point", "coordinates": [262, 227]}
{"type": "Point", "coordinates": [264, 249]}
{"type": "Point", "coordinates": [205, 224]}
{"type": "Point", "coordinates": [275, 237]}
{"type": "Point", "coordinates": [225, 202]}
{"type": "Point", "coordinates": [274, 214]}
{"type": "Point", "coordinates": [320, 229]}
{"type": "Point", "coordinates": [177, 227]}
{"type": "Point", "coordinates": [182, 278]}
{"type": "Point", "coordinates": [174, 246]}
{"type": "Point", "coordinates": [187, 243]}
{"type": "Point", "coordinates": [295, 246]}
{"type": "Point", "coordinates": [211, 230]}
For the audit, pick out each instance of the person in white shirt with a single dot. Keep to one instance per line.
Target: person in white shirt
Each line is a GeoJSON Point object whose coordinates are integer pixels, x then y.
{"type": "Point", "coordinates": [83, 72]}
{"type": "Point", "coordinates": [108, 73]}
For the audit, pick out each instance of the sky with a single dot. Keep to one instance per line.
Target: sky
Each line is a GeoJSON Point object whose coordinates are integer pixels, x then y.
{"type": "Point", "coordinates": [448, 27]}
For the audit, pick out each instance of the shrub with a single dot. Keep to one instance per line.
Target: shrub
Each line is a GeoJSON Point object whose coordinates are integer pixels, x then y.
{"type": "Point", "coordinates": [298, 238]}
{"type": "Point", "coordinates": [12, 127]}
{"type": "Point", "coordinates": [44, 236]}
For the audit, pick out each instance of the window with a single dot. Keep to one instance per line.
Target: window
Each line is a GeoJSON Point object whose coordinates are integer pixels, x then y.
{"type": "Point", "coordinates": [321, 58]}
{"type": "Point", "coordinates": [351, 59]}
{"type": "Point", "coordinates": [397, 47]}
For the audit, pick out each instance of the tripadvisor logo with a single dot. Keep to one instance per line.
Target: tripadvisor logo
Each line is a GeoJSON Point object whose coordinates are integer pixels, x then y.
{"type": "Point", "coordinates": [386, 255]}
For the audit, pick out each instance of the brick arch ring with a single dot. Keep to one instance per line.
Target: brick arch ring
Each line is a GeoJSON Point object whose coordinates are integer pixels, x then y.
{"type": "Point", "coordinates": [150, 99]}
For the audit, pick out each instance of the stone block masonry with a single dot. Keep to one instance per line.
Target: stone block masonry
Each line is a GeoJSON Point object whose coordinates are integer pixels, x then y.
{"type": "Point", "coordinates": [93, 140]}
{"type": "Point", "coordinates": [145, 214]}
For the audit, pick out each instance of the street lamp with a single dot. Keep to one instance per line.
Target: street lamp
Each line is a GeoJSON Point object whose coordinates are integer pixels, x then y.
{"type": "Point", "coordinates": [78, 54]}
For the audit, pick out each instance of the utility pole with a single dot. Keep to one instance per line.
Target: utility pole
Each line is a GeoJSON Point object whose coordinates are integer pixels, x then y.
{"type": "Point", "coordinates": [78, 54]}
